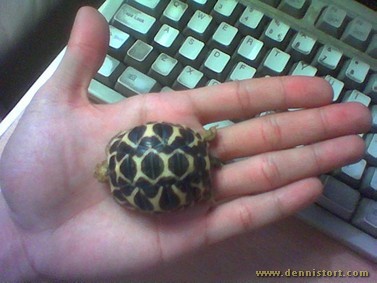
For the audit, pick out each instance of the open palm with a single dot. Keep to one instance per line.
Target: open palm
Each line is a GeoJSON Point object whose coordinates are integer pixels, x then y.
{"type": "Point", "coordinates": [68, 223]}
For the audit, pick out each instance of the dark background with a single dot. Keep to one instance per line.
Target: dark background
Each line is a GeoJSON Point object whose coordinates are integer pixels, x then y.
{"type": "Point", "coordinates": [35, 52]}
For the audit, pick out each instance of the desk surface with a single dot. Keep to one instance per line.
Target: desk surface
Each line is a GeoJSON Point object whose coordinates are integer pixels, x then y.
{"type": "Point", "coordinates": [286, 245]}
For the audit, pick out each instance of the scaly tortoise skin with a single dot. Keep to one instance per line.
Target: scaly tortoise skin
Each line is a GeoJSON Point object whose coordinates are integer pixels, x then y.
{"type": "Point", "coordinates": [159, 167]}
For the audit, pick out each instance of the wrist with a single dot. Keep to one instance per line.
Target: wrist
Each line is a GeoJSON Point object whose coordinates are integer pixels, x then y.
{"type": "Point", "coordinates": [14, 263]}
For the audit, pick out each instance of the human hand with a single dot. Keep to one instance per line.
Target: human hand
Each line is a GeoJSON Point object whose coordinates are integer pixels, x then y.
{"type": "Point", "coordinates": [67, 224]}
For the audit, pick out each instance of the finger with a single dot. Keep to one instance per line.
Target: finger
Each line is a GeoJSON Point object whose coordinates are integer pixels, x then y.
{"type": "Point", "coordinates": [271, 170]}
{"type": "Point", "coordinates": [250, 212]}
{"type": "Point", "coordinates": [290, 129]}
{"type": "Point", "coordinates": [245, 99]}
{"type": "Point", "coordinates": [84, 54]}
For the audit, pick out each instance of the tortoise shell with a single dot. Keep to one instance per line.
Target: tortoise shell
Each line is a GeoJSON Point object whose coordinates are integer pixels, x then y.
{"type": "Point", "coordinates": [160, 167]}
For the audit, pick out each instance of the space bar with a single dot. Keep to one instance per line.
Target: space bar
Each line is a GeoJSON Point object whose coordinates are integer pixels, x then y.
{"type": "Point", "coordinates": [103, 94]}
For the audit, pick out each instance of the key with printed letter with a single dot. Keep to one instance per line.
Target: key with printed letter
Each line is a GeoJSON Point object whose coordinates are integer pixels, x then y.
{"type": "Point", "coordinates": [241, 72]}
{"type": "Point", "coordinates": [276, 34]}
{"type": "Point", "coordinates": [332, 20]}
{"type": "Point", "coordinates": [165, 69]}
{"type": "Point", "coordinates": [176, 14]}
{"type": "Point", "coordinates": [135, 22]}
{"type": "Point", "coordinates": [250, 51]}
{"type": "Point", "coordinates": [225, 38]}
{"type": "Point", "coordinates": [119, 42]}
{"type": "Point", "coordinates": [302, 47]}
{"type": "Point", "coordinates": [303, 69]}
{"type": "Point", "coordinates": [275, 63]}
{"type": "Point", "coordinates": [354, 73]}
{"type": "Point", "coordinates": [201, 25]}
{"type": "Point", "coordinates": [216, 65]}
{"type": "Point", "coordinates": [226, 11]}
{"type": "Point", "coordinates": [252, 22]}
{"type": "Point", "coordinates": [189, 78]}
{"type": "Point", "coordinates": [192, 52]}
{"type": "Point", "coordinates": [327, 60]}
{"type": "Point", "coordinates": [357, 33]}
{"type": "Point", "coordinates": [168, 39]}
{"type": "Point", "coordinates": [337, 86]}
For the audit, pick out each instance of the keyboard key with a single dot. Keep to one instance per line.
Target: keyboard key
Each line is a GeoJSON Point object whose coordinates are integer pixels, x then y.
{"type": "Point", "coordinates": [133, 82]}
{"type": "Point", "coordinates": [357, 33]}
{"type": "Point", "coordinates": [372, 48]}
{"type": "Point", "coordinates": [356, 96]}
{"type": "Point", "coordinates": [371, 149]}
{"type": "Point", "coordinates": [165, 69]}
{"type": "Point", "coordinates": [119, 42]}
{"type": "Point", "coordinates": [192, 52]}
{"type": "Point", "coordinates": [302, 47]}
{"type": "Point", "coordinates": [225, 38]}
{"type": "Point", "coordinates": [327, 60]}
{"type": "Point", "coordinates": [332, 20]}
{"type": "Point", "coordinates": [337, 86]}
{"type": "Point", "coordinates": [368, 186]}
{"type": "Point", "coordinates": [226, 11]}
{"type": "Point", "coordinates": [98, 92]}
{"type": "Point", "coordinates": [241, 72]}
{"type": "Point", "coordinates": [295, 8]}
{"type": "Point", "coordinates": [109, 71]}
{"type": "Point", "coordinates": [373, 111]}
{"type": "Point", "coordinates": [135, 22]}
{"type": "Point", "coordinates": [166, 89]}
{"type": "Point", "coordinates": [212, 82]}
{"type": "Point", "coordinates": [215, 66]}
{"type": "Point", "coordinates": [351, 174]}
{"type": "Point", "coordinates": [250, 50]}
{"type": "Point", "coordinates": [371, 88]}
{"type": "Point", "coordinates": [251, 22]}
{"type": "Point", "coordinates": [189, 78]}
{"type": "Point", "coordinates": [151, 7]}
{"type": "Point", "coordinates": [201, 26]}
{"type": "Point", "coordinates": [366, 216]}
{"type": "Point", "coordinates": [176, 14]}
{"type": "Point", "coordinates": [338, 197]}
{"type": "Point", "coordinates": [140, 56]}
{"type": "Point", "coordinates": [303, 69]}
{"type": "Point", "coordinates": [275, 63]}
{"type": "Point", "coordinates": [168, 39]}
{"type": "Point", "coordinates": [203, 5]}
{"type": "Point", "coordinates": [276, 34]}
{"type": "Point", "coordinates": [354, 73]}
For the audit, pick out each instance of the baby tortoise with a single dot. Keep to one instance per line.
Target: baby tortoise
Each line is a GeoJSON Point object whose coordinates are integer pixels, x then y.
{"type": "Point", "coordinates": [159, 167]}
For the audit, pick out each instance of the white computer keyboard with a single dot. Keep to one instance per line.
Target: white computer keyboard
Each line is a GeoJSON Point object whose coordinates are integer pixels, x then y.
{"type": "Point", "coordinates": [173, 45]}
{"type": "Point", "coordinates": [163, 45]}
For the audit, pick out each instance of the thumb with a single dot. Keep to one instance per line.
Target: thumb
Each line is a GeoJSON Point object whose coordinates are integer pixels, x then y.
{"type": "Point", "coordinates": [84, 55]}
